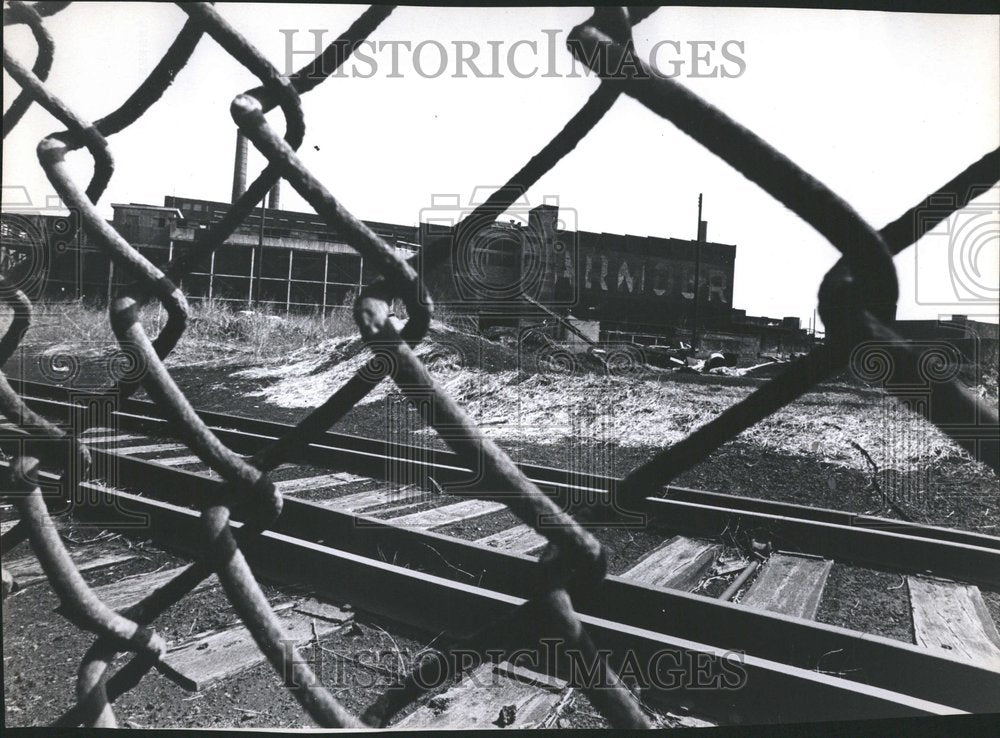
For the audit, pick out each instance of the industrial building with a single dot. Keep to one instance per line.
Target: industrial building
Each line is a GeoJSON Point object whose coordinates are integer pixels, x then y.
{"type": "Point", "coordinates": [616, 287]}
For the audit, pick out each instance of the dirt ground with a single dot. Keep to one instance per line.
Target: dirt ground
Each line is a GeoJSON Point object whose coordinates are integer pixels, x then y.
{"type": "Point", "coordinates": [40, 680]}
{"type": "Point", "coordinates": [356, 663]}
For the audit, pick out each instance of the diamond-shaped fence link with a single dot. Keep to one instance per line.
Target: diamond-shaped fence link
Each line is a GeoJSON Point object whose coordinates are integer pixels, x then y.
{"type": "Point", "coordinates": [856, 300]}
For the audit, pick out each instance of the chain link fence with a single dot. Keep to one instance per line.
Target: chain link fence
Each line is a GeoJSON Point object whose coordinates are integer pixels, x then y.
{"type": "Point", "coordinates": [857, 301]}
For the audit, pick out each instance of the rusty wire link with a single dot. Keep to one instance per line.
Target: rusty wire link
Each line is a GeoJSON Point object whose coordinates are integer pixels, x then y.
{"type": "Point", "coordinates": [905, 230]}
{"type": "Point", "coordinates": [232, 570]}
{"type": "Point", "coordinates": [27, 14]}
{"type": "Point", "coordinates": [453, 425]}
{"type": "Point", "coordinates": [757, 160]}
{"type": "Point", "coordinates": [331, 411]}
{"type": "Point", "coordinates": [857, 299]}
{"type": "Point", "coordinates": [306, 79]}
{"type": "Point", "coordinates": [866, 289]}
{"type": "Point", "coordinates": [42, 9]}
{"type": "Point", "coordinates": [12, 406]}
{"type": "Point", "coordinates": [137, 104]}
{"type": "Point", "coordinates": [78, 601]}
{"type": "Point", "coordinates": [55, 146]}
{"type": "Point", "coordinates": [303, 81]}
{"type": "Point", "coordinates": [580, 551]}
{"type": "Point", "coordinates": [372, 317]}
{"type": "Point", "coordinates": [79, 604]}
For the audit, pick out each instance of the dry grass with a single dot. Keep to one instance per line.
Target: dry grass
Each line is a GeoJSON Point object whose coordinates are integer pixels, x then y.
{"type": "Point", "coordinates": [832, 424]}
{"type": "Point", "coordinates": [217, 333]}
{"type": "Point", "coordinates": [300, 359]}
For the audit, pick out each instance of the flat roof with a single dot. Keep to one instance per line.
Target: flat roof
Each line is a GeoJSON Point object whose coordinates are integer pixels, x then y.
{"type": "Point", "coordinates": [143, 206]}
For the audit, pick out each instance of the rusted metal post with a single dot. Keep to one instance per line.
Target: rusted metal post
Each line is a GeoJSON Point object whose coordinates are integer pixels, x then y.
{"type": "Point", "coordinates": [326, 271]}
{"type": "Point", "coordinates": [733, 588]}
{"type": "Point", "coordinates": [288, 284]}
{"type": "Point", "coordinates": [697, 278]}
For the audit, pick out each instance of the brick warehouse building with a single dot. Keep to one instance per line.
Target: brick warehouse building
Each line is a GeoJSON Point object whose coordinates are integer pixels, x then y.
{"type": "Point", "coordinates": [621, 281]}
{"type": "Point", "coordinates": [623, 287]}
{"type": "Point", "coordinates": [295, 261]}
{"type": "Point", "coordinates": [635, 288]}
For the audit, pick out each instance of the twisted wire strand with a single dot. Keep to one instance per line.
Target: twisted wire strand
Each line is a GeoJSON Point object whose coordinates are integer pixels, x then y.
{"type": "Point", "coordinates": [43, 9]}
{"type": "Point", "coordinates": [80, 605]}
{"type": "Point", "coordinates": [436, 253]}
{"type": "Point", "coordinates": [753, 157]}
{"type": "Point", "coordinates": [232, 569]}
{"type": "Point", "coordinates": [868, 290]}
{"type": "Point", "coordinates": [129, 332]}
{"type": "Point", "coordinates": [96, 661]}
{"type": "Point", "coordinates": [372, 316]}
{"type": "Point", "coordinates": [27, 14]}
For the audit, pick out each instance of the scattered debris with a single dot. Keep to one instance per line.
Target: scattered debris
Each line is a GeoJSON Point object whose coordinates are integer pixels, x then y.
{"type": "Point", "coordinates": [323, 610]}
{"type": "Point", "coordinates": [723, 570]}
{"type": "Point", "coordinates": [715, 360]}
{"type": "Point", "coordinates": [439, 703]}
{"type": "Point", "coordinates": [507, 715]}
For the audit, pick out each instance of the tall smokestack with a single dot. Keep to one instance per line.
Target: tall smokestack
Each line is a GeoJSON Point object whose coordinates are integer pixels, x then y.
{"type": "Point", "coordinates": [274, 196]}
{"type": "Point", "coordinates": [240, 166]}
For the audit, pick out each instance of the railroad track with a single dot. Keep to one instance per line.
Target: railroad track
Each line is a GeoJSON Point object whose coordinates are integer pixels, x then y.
{"type": "Point", "coordinates": [337, 542]}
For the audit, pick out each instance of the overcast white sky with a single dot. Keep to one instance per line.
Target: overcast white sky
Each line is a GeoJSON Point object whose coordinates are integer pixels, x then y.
{"type": "Point", "coordinates": [881, 107]}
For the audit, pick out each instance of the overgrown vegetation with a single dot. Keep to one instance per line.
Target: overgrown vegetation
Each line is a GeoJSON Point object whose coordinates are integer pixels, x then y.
{"type": "Point", "coordinates": [217, 332]}
{"type": "Point", "coordinates": [521, 394]}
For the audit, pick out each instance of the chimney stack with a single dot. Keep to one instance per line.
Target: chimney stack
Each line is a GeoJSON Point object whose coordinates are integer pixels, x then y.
{"type": "Point", "coordinates": [240, 166]}
{"type": "Point", "coordinates": [274, 196]}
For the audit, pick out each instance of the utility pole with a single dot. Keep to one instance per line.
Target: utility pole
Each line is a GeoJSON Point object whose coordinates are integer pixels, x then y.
{"type": "Point", "coordinates": [260, 250]}
{"type": "Point", "coordinates": [697, 278]}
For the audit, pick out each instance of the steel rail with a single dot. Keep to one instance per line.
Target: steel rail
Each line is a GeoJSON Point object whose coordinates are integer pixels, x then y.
{"type": "Point", "coordinates": [876, 661]}
{"type": "Point", "coordinates": [381, 459]}
{"type": "Point", "coordinates": [769, 691]}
